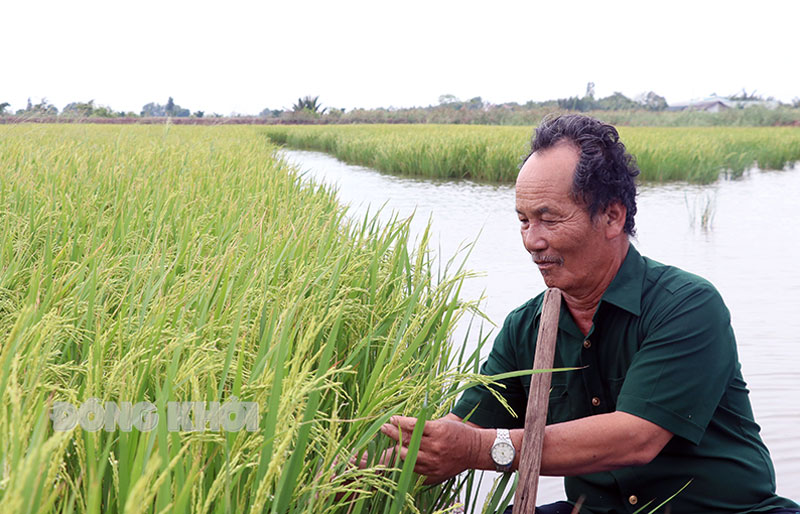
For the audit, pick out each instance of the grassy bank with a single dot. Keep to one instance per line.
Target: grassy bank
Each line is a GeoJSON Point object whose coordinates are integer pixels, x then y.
{"type": "Point", "coordinates": [486, 153]}
{"type": "Point", "coordinates": [169, 264]}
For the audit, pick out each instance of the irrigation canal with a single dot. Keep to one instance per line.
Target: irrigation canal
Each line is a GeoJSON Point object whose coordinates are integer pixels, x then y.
{"type": "Point", "coordinates": [750, 253]}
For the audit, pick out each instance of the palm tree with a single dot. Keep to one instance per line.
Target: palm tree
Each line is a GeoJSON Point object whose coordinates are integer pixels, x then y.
{"type": "Point", "coordinates": [307, 103]}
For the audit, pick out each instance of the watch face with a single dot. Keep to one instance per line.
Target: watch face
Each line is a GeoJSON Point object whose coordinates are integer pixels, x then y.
{"type": "Point", "coordinates": [503, 454]}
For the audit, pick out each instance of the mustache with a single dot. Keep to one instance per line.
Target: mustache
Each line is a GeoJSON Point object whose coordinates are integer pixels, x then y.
{"type": "Point", "coordinates": [539, 259]}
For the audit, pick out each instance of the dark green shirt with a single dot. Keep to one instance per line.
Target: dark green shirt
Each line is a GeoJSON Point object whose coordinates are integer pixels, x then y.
{"type": "Point", "coordinates": [661, 348]}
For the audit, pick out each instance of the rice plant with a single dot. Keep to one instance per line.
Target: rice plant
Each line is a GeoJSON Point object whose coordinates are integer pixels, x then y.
{"type": "Point", "coordinates": [702, 209]}
{"type": "Point", "coordinates": [153, 265]}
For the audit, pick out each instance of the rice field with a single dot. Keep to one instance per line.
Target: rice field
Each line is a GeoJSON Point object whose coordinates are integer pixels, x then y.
{"type": "Point", "coordinates": [159, 264]}
{"type": "Point", "coordinates": [492, 153]}
{"type": "Point", "coordinates": [149, 266]}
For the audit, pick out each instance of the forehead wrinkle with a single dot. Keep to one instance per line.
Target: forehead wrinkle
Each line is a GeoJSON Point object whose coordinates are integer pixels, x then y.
{"type": "Point", "coordinates": [539, 210]}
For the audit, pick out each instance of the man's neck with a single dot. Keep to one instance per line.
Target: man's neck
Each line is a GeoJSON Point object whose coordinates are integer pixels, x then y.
{"type": "Point", "coordinates": [583, 304]}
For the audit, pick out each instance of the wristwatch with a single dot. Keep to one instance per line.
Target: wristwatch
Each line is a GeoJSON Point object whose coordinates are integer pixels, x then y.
{"type": "Point", "coordinates": [503, 450]}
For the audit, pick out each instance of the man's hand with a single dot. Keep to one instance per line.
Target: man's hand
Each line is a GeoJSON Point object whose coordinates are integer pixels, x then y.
{"type": "Point", "coordinates": [448, 447]}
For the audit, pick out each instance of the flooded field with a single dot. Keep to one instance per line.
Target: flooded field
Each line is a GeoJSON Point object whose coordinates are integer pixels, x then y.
{"type": "Point", "coordinates": [748, 250]}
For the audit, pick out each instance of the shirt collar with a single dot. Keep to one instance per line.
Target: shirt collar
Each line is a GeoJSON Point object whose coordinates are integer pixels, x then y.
{"type": "Point", "coordinates": [625, 291]}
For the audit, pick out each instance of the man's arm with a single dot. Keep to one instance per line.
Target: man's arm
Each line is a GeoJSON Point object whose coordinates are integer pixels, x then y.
{"type": "Point", "coordinates": [597, 443]}
{"type": "Point", "coordinates": [603, 442]}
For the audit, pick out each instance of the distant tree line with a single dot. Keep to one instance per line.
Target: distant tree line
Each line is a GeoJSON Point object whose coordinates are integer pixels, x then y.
{"type": "Point", "coordinates": [645, 109]}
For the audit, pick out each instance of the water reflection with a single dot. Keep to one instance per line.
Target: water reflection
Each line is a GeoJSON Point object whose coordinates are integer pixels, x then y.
{"type": "Point", "coordinates": [748, 253]}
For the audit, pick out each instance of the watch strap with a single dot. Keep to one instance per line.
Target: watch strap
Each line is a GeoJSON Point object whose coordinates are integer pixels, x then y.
{"type": "Point", "coordinates": [503, 436]}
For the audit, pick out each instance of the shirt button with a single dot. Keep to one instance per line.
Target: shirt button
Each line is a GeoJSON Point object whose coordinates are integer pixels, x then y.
{"type": "Point", "coordinates": [633, 500]}
{"type": "Point", "coordinates": [595, 401]}
{"type": "Point", "coordinates": [587, 344]}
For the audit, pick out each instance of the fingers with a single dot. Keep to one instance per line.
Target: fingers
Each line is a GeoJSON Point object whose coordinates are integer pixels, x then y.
{"type": "Point", "coordinates": [394, 432]}
{"type": "Point", "coordinates": [404, 422]}
{"type": "Point", "coordinates": [400, 429]}
{"type": "Point", "coordinates": [389, 456]}
{"type": "Point", "coordinates": [359, 461]}
{"type": "Point", "coordinates": [390, 430]}
{"type": "Point", "coordinates": [439, 456]}
{"type": "Point", "coordinates": [404, 425]}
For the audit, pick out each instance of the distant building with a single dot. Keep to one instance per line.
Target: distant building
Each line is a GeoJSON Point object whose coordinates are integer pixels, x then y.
{"type": "Point", "coordinates": [720, 103]}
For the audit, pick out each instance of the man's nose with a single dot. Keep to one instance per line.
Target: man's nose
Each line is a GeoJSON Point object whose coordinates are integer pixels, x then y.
{"type": "Point", "coordinates": [533, 238]}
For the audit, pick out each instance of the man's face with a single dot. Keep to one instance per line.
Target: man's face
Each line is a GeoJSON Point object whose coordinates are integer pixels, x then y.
{"type": "Point", "coordinates": [563, 241]}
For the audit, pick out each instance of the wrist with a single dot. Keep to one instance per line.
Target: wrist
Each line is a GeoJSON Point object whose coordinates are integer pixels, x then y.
{"type": "Point", "coordinates": [487, 441]}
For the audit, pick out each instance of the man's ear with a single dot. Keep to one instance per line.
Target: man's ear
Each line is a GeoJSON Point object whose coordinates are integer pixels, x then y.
{"type": "Point", "coordinates": [614, 217]}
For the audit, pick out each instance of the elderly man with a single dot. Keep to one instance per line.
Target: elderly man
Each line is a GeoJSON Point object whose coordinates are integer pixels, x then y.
{"type": "Point", "coordinates": [659, 400]}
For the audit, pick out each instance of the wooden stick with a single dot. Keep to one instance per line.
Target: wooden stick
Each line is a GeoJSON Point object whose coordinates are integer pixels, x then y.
{"type": "Point", "coordinates": [530, 456]}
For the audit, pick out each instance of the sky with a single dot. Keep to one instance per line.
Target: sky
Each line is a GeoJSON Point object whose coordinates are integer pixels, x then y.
{"type": "Point", "coordinates": [243, 56]}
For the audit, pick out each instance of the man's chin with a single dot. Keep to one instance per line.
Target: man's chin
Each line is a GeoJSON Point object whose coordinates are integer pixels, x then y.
{"type": "Point", "coordinates": [551, 277]}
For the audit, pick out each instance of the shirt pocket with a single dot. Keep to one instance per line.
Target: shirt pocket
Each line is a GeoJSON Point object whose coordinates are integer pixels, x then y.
{"type": "Point", "coordinates": [558, 409]}
{"type": "Point", "coordinates": [614, 387]}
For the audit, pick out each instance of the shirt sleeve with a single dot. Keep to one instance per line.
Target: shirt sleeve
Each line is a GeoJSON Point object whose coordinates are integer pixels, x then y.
{"type": "Point", "coordinates": [684, 364]}
{"type": "Point", "coordinates": [479, 405]}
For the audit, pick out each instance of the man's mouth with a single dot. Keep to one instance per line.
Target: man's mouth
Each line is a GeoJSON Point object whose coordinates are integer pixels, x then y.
{"type": "Point", "coordinates": [547, 262]}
